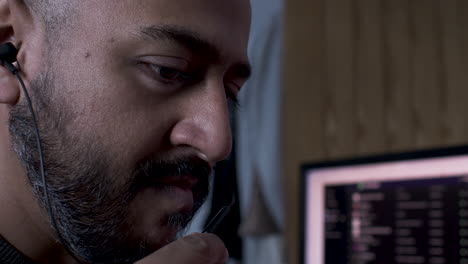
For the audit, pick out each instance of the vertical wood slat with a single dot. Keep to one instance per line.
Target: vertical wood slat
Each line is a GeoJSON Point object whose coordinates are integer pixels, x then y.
{"type": "Point", "coordinates": [463, 16]}
{"type": "Point", "coordinates": [454, 73]}
{"type": "Point", "coordinates": [303, 105]}
{"type": "Point", "coordinates": [339, 93]}
{"type": "Point", "coordinates": [369, 77]}
{"type": "Point", "coordinates": [399, 119]}
{"type": "Point", "coordinates": [426, 78]}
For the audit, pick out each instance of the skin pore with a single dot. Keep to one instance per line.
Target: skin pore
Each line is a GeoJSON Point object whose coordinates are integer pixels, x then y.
{"type": "Point", "coordinates": [132, 103]}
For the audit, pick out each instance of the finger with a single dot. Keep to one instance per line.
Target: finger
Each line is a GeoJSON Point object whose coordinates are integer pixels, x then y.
{"type": "Point", "coordinates": [194, 249]}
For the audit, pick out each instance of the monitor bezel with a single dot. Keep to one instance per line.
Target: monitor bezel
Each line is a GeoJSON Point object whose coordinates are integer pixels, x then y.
{"type": "Point", "coordinates": [370, 159]}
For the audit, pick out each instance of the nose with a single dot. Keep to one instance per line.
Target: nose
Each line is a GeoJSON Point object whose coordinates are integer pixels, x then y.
{"type": "Point", "coordinates": [205, 125]}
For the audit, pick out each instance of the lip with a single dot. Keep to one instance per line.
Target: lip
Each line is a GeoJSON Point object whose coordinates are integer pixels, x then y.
{"type": "Point", "coordinates": [185, 183]}
{"type": "Point", "coordinates": [181, 199]}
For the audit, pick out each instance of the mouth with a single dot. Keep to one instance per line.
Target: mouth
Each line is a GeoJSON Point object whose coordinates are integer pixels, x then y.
{"type": "Point", "coordinates": [178, 192]}
{"type": "Point", "coordinates": [186, 183]}
{"type": "Point", "coordinates": [165, 205]}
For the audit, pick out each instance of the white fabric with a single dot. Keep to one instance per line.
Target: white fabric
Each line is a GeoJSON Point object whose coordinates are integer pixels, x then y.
{"type": "Point", "coordinates": [258, 125]}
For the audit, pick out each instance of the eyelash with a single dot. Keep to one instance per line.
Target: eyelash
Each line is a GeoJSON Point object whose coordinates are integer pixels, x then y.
{"type": "Point", "coordinates": [234, 101]}
{"type": "Point", "coordinates": [180, 76]}
{"type": "Point", "coordinates": [183, 78]}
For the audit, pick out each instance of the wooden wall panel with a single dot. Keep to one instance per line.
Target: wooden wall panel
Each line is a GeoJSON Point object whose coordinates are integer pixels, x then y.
{"type": "Point", "coordinates": [339, 99]}
{"type": "Point", "coordinates": [369, 70]}
{"type": "Point", "coordinates": [304, 103]}
{"type": "Point", "coordinates": [370, 76]}
{"type": "Point", "coordinates": [463, 18]}
{"type": "Point", "coordinates": [426, 68]}
{"type": "Point", "coordinates": [398, 78]}
{"type": "Point", "coordinates": [453, 72]}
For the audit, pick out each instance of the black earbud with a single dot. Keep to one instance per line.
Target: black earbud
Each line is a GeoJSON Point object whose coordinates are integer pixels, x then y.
{"type": "Point", "coordinates": [8, 54]}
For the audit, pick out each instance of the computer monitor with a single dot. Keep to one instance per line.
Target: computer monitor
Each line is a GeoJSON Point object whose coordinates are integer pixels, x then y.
{"type": "Point", "coordinates": [402, 208]}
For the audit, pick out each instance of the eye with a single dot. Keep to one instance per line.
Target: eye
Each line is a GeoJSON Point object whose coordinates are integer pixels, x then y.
{"type": "Point", "coordinates": [167, 74]}
{"type": "Point", "coordinates": [232, 96]}
{"type": "Point", "coordinates": [233, 103]}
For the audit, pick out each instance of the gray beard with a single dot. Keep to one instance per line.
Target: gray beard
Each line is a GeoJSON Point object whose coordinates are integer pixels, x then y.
{"type": "Point", "coordinates": [89, 206]}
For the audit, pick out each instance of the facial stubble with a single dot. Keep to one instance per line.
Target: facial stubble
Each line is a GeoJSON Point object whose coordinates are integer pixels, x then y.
{"type": "Point", "coordinates": [89, 192]}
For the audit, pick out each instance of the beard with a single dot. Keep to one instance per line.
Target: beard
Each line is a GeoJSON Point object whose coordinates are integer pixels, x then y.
{"type": "Point", "coordinates": [89, 192]}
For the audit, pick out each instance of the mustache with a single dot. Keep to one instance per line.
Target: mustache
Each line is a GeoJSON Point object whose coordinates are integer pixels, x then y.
{"type": "Point", "coordinates": [152, 169]}
{"type": "Point", "coordinates": [188, 165]}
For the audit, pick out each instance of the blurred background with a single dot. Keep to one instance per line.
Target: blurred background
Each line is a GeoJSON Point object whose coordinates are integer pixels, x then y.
{"type": "Point", "coordinates": [338, 79]}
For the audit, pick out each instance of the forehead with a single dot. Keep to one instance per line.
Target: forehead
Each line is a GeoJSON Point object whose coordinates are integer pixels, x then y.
{"type": "Point", "coordinates": [225, 23]}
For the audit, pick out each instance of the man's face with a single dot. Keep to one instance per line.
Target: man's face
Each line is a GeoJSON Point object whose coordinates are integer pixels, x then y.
{"type": "Point", "coordinates": [133, 111]}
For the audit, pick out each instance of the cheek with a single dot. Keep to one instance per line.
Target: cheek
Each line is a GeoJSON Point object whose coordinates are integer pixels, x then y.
{"type": "Point", "coordinates": [109, 104]}
{"type": "Point", "coordinates": [126, 123]}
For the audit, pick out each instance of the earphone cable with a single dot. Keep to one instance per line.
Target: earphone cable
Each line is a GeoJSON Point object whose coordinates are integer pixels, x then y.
{"type": "Point", "coordinates": [15, 71]}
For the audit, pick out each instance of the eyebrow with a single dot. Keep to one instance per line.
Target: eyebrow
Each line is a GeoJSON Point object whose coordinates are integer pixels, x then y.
{"type": "Point", "coordinates": [194, 42]}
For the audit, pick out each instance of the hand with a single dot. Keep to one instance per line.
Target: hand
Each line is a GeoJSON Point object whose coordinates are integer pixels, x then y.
{"type": "Point", "coordinates": [193, 249]}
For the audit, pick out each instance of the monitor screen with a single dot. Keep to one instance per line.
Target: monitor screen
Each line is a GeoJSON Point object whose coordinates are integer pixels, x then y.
{"type": "Point", "coordinates": [405, 208]}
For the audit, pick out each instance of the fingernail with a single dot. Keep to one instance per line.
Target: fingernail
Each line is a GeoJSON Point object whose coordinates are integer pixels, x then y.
{"type": "Point", "coordinates": [196, 241]}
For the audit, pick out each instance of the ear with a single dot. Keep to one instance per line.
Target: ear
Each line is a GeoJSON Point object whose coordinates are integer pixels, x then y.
{"type": "Point", "coordinates": [9, 87]}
